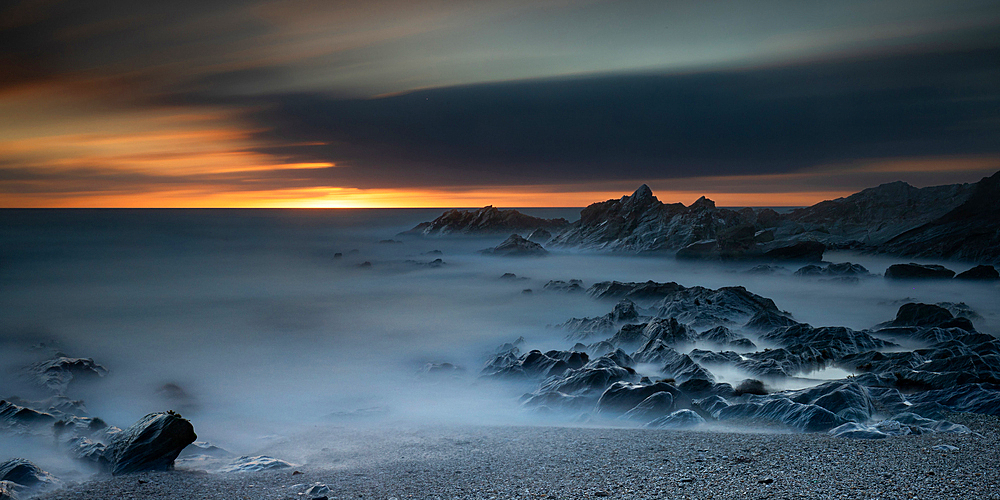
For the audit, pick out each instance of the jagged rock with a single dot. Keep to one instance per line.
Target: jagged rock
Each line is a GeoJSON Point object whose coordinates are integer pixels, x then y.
{"type": "Point", "coordinates": [838, 341]}
{"type": "Point", "coordinates": [979, 273]}
{"type": "Point", "coordinates": [439, 370]}
{"type": "Point", "coordinates": [675, 365]}
{"type": "Point", "coordinates": [875, 215]}
{"type": "Point", "coordinates": [855, 430]}
{"type": "Point", "coordinates": [783, 362]}
{"type": "Point", "coordinates": [486, 220]}
{"type": "Point", "coordinates": [19, 419]}
{"type": "Point", "coordinates": [765, 269]}
{"type": "Point", "coordinates": [534, 364]}
{"type": "Point", "coordinates": [582, 386]}
{"type": "Point", "coordinates": [151, 444]}
{"type": "Point", "coordinates": [969, 232]}
{"type": "Point", "coordinates": [696, 306]}
{"type": "Point", "coordinates": [769, 319]}
{"type": "Point", "coordinates": [585, 328]}
{"type": "Point", "coordinates": [571, 286]}
{"type": "Point", "coordinates": [436, 263]}
{"type": "Point", "coordinates": [973, 398]}
{"type": "Point", "coordinates": [656, 405]}
{"type": "Point", "coordinates": [918, 271]}
{"type": "Point", "coordinates": [680, 419]}
{"type": "Point", "coordinates": [256, 464]}
{"type": "Point", "coordinates": [640, 222]}
{"type": "Point", "coordinates": [725, 338]}
{"type": "Point", "coordinates": [56, 374]}
{"type": "Point", "coordinates": [839, 270]}
{"type": "Point", "coordinates": [24, 473]}
{"type": "Point", "coordinates": [669, 331]}
{"type": "Point", "coordinates": [621, 397]}
{"type": "Point", "coordinates": [540, 235]}
{"type": "Point", "coordinates": [783, 411]}
{"type": "Point", "coordinates": [516, 246]}
{"type": "Point", "coordinates": [803, 251]}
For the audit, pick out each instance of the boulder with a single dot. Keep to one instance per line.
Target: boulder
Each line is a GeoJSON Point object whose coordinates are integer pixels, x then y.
{"type": "Point", "coordinates": [980, 273]}
{"type": "Point", "coordinates": [151, 444]}
{"type": "Point", "coordinates": [918, 271]}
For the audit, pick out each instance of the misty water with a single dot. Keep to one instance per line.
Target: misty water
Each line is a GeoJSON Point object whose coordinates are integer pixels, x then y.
{"type": "Point", "coordinates": [268, 334]}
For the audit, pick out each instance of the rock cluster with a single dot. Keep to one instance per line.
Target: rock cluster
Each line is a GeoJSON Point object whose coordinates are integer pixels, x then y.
{"type": "Point", "coordinates": [652, 367]}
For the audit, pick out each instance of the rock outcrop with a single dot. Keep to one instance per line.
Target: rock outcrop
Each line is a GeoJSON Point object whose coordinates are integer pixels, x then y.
{"type": "Point", "coordinates": [969, 231]}
{"type": "Point", "coordinates": [151, 444]}
{"type": "Point", "coordinates": [516, 246]}
{"type": "Point", "coordinates": [486, 220]}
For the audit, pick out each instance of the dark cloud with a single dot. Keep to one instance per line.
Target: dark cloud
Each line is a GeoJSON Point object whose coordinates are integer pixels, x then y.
{"type": "Point", "coordinates": [649, 126]}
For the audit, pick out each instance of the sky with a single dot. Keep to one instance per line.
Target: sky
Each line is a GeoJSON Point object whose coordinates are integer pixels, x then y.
{"type": "Point", "coordinates": [421, 103]}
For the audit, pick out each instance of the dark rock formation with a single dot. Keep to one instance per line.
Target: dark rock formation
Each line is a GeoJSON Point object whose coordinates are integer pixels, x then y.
{"type": "Point", "coordinates": [564, 286]}
{"type": "Point", "coordinates": [980, 273]}
{"type": "Point", "coordinates": [24, 473]}
{"type": "Point", "coordinates": [970, 232]}
{"type": "Point", "coordinates": [843, 269]}
{"type": "Point", "coordinates": [680, 419]}
{"type": "Point", "coordinates": [151, 444]}
{"type": "Point", "coordinates": [803, 251]}
{"type": "Point", "coordinates": [698, 306]}
{"type": "Point", "coordinates": [486, 220]}
{"type": "Point", "coordinates": [19, 419]}
{"type": "Point", "coordinates": [256, 464]}
{"type": "Point", "coordinates": [534, 364]}
{"type": "Point", "coordinates": [640, 222]}
{"type": "Point", "coordinates": [656, 405]}
{"type": "Point", "coordinates": [585, 328]}
{"type": "Point", "coordinates": [540, 235]}
{"type": "Point", "coordinates": [56, 374]}
{"type": "Point", "coordinates": [516, 246]}
{"type": "Point", "coordinates": [875, 215]}
{"type": "Point", "coordinates": [621, 397]}
{"type": "Point", "coordinates": [918, 271]}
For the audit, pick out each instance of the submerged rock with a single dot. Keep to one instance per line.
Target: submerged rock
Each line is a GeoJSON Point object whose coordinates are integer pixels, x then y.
{"type": "Point", "coordinates": [256, 464]}
{"type": "Point", "coordinates": [56, 374]}
{"type": "Point", "coordinates": [918, 271]}
{"type": "Point", "coordinates": [151, 444]}
{"type": "Point", "coordinates": [516, 246]}
{"type": "Point", "coordinates": [680, 419]}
